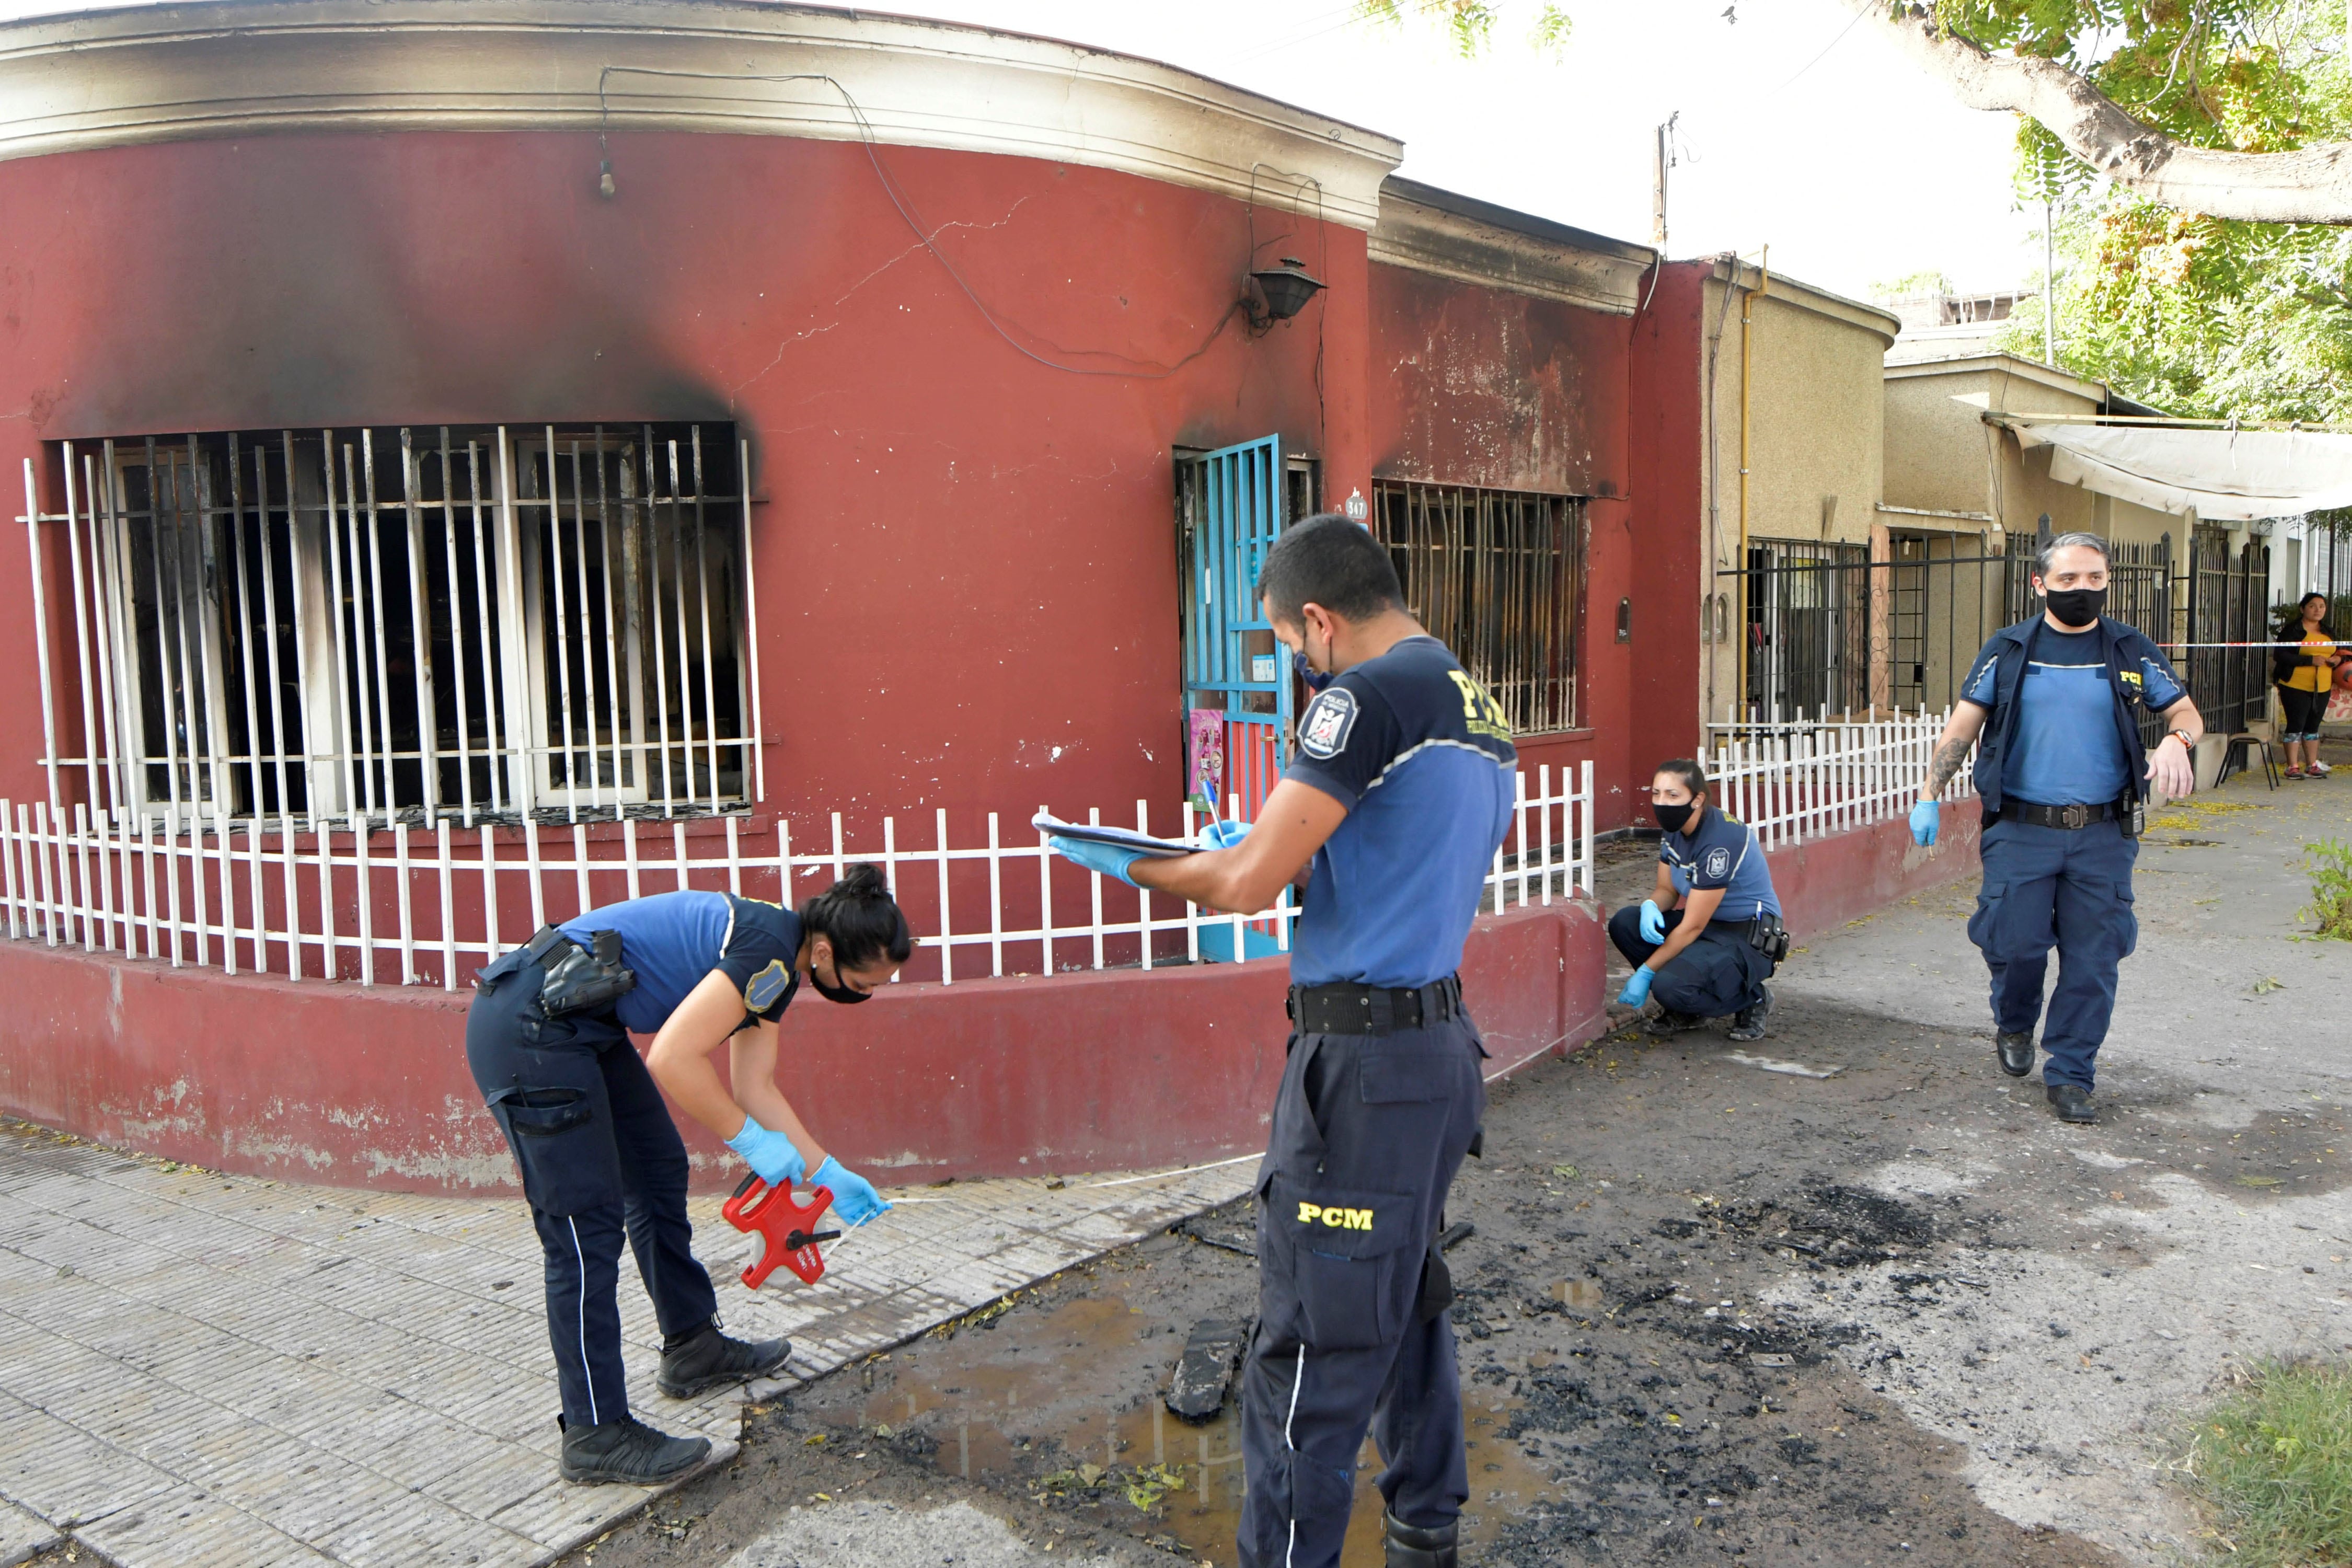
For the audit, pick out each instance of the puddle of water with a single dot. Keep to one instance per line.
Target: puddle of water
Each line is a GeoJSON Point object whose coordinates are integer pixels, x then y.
{"type": "Point", "coordinates": [1014, 1415]}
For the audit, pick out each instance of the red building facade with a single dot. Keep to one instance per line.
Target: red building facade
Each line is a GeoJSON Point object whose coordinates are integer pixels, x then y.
{"type": "Point", "coordinates": [456, 423]}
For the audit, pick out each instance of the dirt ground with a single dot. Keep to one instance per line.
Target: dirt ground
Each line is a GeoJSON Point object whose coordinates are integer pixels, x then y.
{"type": "Point", "coordinates": [1628, 1399]}
{"type": "Point", "coordinates": [1717, 1308]}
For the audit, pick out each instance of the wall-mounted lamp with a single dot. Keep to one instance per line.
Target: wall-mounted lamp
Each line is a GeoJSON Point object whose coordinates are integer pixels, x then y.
{"type": "Point", "coordinates": [1283, 291]}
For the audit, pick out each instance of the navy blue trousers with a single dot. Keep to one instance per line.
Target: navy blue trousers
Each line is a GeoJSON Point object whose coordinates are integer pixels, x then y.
{"type": "Point", "coordinates": [1719, 973]}
{"type": "Point", "coordinates": [2066, 887]}
{"type": "Point", "coordinates": [1367, 1132]}
{"type": "Point", "coordinates": [602, 1163]}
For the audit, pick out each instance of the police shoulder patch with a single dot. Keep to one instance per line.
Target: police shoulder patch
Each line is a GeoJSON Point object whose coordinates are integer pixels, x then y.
{"type": "Point", "coordinates": [1324, 732]}
{"type": "Point", "coordinates": [763, 989]}
{"type": "Point", "coordinates": [1716, 863]}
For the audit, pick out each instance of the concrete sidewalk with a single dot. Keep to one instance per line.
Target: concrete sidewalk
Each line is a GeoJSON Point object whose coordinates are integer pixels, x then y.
{"type": "Point", "coordinates": [205, 1369]}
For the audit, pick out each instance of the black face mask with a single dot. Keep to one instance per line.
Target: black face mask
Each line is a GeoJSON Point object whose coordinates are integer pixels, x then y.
{"type": "Point", "coordinates": [2077, 607]}
{"type": "Point", "coordinates": [1315, 679]}
{"type": "Point", "coordinates": [837, 993]}
{"type": "Point", "coordinates": [1673, 817]}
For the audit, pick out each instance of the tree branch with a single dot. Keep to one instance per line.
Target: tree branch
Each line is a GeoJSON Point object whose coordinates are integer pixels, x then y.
{"type": "Point", "coordinates": [2309, 184]}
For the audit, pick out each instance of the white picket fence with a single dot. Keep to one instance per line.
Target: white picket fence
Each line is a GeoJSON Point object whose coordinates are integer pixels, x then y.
{"type": "Point", "coordinates": [362, 902]}
{"type": "Point", "coordinates": [1792, 781]}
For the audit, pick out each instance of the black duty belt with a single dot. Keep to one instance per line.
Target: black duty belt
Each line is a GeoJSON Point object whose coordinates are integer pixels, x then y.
{"type": "Point", "coordinates": [1344, 1009]}
{"type": "Point", "coordinates": [2055, 816]}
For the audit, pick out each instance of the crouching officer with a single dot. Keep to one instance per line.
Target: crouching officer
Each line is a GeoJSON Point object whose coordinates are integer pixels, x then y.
{"type": "Point", "coordinates": [2062, 773]}
{"type": "Point", "coordinates": [1706, 940]}
{"type": "Point", "coordinates": [548, 1041]}
{"type": "Point", "coordinates": [1399, 795]}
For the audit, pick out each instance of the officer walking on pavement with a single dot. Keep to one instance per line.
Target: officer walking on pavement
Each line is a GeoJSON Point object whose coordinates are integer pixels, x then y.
{"type": "Point", "coordinates": [2063, 774]}
{"type": "Point", "coordinates": [1710, 938]}
{"type": "Point", "coordinates": [548, 1040]}
{"type": "Point", "coordinates": [1400, 795]}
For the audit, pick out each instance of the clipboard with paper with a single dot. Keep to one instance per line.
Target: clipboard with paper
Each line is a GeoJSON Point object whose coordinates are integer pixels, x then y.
{"type": "Point", "coordinates": [1118, 837]}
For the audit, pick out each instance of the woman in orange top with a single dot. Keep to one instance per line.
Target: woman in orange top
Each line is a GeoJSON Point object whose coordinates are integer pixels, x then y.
{"type": "Point", "coordinates": [2302, 667]}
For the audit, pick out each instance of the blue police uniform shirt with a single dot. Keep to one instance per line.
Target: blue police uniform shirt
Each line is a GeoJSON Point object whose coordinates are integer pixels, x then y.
{"type": "Point", "coordinates": [2067, 752]}
{"type": "Point", "coordinates": [1722, 854]}
{"type": "Point", "coordinates": [672, 941]}
{"type": "Point", "coordinates": [1422, 758]}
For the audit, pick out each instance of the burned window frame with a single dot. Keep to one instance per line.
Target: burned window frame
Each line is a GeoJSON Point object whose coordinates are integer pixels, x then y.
{"type": "Point", "coordinates": [1518, 634]}
{"type": "Point", "coordinates": [266, 665]}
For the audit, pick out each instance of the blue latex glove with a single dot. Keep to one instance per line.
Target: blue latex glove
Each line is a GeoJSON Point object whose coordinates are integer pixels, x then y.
{"type": "Point", "coordinates": [1653, 922]}
{"type": "Point", "coordinates": [1637, 989]}
{"type": "Point", "coordinates": [1924, 819]}
{"type": "Point", "coordinates": [770, 1155]}
{"type": "Point", "coordinates": [854, 1197]}
{"type": "Point", "coordinates": [1221, 834]}
{"type": "Point", "coordinates": [1096, 857]}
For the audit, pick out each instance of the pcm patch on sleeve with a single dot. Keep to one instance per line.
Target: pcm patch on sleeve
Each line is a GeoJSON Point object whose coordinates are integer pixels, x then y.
{"type": "Point", "coordinates": [1716, 867]}
{"type": "Point", "coordinates": [1329, 716]}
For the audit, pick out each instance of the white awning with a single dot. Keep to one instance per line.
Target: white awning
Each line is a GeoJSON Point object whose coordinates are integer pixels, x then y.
{"type": "Point", "coordinates": [2220, 475]}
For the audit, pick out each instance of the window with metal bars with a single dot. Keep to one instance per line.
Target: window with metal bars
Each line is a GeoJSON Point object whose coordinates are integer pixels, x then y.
{"type": "Point", "coordinates": [1498, 577]}
{"type": "Point", "coordinates": [419, 622]}
{"type": "Point", "coordinates": [1808, 627]}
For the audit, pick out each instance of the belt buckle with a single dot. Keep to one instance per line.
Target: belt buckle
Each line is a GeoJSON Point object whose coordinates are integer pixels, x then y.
{"type": "Point", "coordinates": [2074, 816]}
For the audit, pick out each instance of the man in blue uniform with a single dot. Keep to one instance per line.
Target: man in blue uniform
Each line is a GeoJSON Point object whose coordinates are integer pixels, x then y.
{"type": "Point", "coordinates": [1699, 943]}
{"type": "Point", "coordinates": [2063, 773]}
{"type": "Point", "coordinates": [1399, 795]}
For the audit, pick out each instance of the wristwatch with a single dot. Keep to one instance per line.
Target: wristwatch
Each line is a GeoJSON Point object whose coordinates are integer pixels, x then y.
{"type": "Point", "coordinates": [2188, 742]}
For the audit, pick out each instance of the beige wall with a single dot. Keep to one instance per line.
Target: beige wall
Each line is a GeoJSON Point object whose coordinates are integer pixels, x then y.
{"type": "Point", "coordinates": [1942, 456]}
{"type": "Point", "coordinates": [1817, 446]}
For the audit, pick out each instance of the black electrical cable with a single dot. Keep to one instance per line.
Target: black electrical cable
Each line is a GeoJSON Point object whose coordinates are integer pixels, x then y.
{"type": "Point", "coordinates": [868, 138]}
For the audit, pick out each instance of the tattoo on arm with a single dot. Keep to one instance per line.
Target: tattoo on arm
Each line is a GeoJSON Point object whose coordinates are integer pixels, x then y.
{"type": "Point", "coordinates": [1946, 764]}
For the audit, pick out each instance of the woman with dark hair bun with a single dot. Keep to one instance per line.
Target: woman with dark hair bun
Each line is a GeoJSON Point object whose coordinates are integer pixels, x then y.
{"type": "Point", "coordinates": [2302, 667]}
{"type": "Point", "coordinates": [548, 1041]}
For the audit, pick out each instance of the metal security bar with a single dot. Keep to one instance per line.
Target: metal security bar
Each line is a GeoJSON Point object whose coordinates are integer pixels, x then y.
{"type": "Point", "coordinates": [1939, 599]}
{"type": "Point", "coordinates": [2229, 593]}
{"type": "Point", "coordinates": [1803, 781]}
{"type": "Point", "coordinates": [1232, 505]}
{"type": "Point", "coordinates": [405, 624]}
{"type": "Point", "coordinates": [1497, 576]}
{"type": "Point", "coordinates": [1807, 626]}
{"type": "Point", "coordinates": [354, 901]}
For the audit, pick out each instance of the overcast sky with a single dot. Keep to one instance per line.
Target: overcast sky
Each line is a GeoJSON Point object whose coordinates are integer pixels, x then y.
{"type": "Point", "coordinates": [1796, 130]}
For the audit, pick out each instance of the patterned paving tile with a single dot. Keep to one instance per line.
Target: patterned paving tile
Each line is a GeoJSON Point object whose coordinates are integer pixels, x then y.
{"type": "Point", "coordinates": [201, 1370]}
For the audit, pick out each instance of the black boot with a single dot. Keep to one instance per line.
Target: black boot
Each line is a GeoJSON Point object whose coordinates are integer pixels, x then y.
{"type": "Point", "coordinates": [1410, 1548]}
{"type": "Point", "coordinates": [705, 1359]}
{"type": "Point", "coordinates": [2016, 1053]}
{"type": "Point", "coordinates": [1748, 1024]}
{"type": "Point", "coordinates": [2071, 1102]}
{"type": "Point", "coordinates": [628, 1451]}
{"type": "Point", "coordinates": [1669, 1022]}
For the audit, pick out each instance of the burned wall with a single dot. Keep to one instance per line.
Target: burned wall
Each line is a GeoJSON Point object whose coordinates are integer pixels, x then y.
{"type": "Point", "coordinates": [964, 522]}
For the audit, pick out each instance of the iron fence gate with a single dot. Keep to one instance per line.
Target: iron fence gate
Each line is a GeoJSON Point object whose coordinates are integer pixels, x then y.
{"type": "Point", "coordinates": [1807, 628]}
{"type": "Point", "coordinates": [2229, 593]}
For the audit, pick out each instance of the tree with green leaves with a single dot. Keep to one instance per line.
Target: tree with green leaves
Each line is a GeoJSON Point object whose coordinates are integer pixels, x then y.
{"type": "Point", "coordinates": [2199, 313]}
{"type": "Point", "coordinates": [2196, 154]}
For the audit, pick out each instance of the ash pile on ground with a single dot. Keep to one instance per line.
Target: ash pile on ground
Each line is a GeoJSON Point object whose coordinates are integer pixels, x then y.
{"type": "Point", "coordinates": [1629, 1394]}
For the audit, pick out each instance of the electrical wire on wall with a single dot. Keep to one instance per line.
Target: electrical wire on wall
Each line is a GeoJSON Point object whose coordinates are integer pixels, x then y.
{"type": "Point", "coordinates": [1147, 370]}
{"type": "Point", "coordinates": [1322, 260]}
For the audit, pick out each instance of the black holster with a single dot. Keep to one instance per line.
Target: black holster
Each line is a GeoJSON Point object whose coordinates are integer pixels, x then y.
{"type": "Point", "coordinates": [584, 979]}
{"type": "Point", "coordinates": [1769, 936]}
